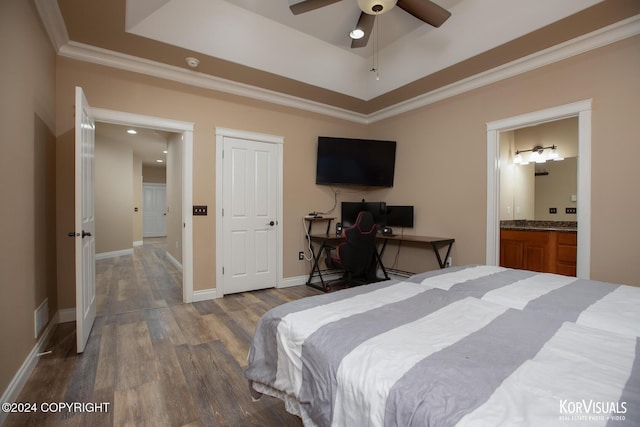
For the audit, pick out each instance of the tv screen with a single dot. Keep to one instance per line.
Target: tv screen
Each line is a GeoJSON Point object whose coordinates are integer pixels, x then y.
{"type": "Point", "coordinates": [348, 161]}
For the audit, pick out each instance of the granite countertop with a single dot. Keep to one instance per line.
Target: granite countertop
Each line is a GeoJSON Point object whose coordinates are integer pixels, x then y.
{"type": "Point", "coordinates": [525, 224]}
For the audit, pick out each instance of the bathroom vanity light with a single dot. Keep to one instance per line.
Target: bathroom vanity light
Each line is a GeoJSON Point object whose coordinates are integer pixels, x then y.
{"type": "Point", "coordinates": [538, 155]}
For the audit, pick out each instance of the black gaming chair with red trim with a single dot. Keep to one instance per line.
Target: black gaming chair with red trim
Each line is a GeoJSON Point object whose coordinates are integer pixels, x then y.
{"type": "Point", "coordinates": [357, 255]}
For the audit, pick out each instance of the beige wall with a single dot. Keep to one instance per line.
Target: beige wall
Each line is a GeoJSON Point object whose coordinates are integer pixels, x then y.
{"type": "Point", "coordinates": [154, 174]}
{"type": "Point", "coordinates": [443, 166]}
{"type": "Point", "coordinates": [563, 133]}
{"type": "Point", "coordinates": [441, 158]}
{"type": "Point", "coordinates": [556, 189]}
{"type": "Point", "coordinates": [529, 196]}
{"type": "Point", "coordinates": [517, 183]}
{"type": "Point", "coordinates": [441, 162]}
{"type": "Point", "coordinates": [174, 196]}
{"type": "Point", "coordinates": [113, 195]}
{"type": "Point", "coordinates": [112, 89]}
{"type": "Point", "coordinates": [27, 173]}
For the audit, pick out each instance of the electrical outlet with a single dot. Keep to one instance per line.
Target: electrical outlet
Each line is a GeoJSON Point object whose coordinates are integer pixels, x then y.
{"type": "Point", "coordinates": [571, 210]}
{"type": "Point", "coordinates": [301, 255]}
{"type": "Point", "coordinates": [553, 210]}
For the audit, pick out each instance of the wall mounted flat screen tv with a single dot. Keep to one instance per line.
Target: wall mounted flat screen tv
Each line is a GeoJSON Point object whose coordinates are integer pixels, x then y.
{"type": "Point", "coordinates": [348, 161]}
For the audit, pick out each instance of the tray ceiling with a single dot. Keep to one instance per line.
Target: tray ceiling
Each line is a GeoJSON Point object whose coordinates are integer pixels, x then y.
{"type": "Point", "coordinates": [261, 44]}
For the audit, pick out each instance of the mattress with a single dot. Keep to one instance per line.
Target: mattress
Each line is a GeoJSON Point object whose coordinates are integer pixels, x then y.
{"type": "Point", "coordinates": [465, 346]}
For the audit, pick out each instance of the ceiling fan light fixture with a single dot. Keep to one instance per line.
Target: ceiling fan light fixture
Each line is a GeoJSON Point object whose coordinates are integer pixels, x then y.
{"type": "Point", "coordinates": [376, 7]}
{"type": "Point", "coordinates": [356, 34]}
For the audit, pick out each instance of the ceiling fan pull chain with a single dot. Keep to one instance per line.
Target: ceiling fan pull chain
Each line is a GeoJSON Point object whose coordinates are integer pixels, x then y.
{"type": "Point", "coordinates": [376, 46]}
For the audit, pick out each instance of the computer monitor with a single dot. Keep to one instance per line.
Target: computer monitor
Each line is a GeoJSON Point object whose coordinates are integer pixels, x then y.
{"type": "Point", "coordinates": [350, 211]}
{"type": "Point", "coordinates": [399, 216]}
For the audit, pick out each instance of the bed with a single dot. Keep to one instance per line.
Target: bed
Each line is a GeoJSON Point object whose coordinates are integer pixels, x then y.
{"type": "Point", "coordinates": [465, 346]}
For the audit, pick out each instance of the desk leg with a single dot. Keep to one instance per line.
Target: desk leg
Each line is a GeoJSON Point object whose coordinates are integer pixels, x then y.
{"type": "Point", "coordinates": [441, 263]}
{"type": "Point", "coordinates": [316, 267]}
{"type": "Point", "coordinates": [379, 259]}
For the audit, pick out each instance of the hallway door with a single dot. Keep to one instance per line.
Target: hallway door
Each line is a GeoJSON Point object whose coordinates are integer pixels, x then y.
{"type": "Point", "coordinates": [154, 210]}
{"type": "Point", "coordinates": [250, 173]}
{"type": "Point", "coordinates": [84, 233]}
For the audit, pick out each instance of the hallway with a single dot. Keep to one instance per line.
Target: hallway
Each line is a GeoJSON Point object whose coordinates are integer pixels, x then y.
{"type": "Point", "coordinates": [146, 279]}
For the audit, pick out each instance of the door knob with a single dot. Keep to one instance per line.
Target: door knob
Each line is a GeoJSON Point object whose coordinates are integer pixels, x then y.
{"type": "Point", "coordinates": [272, 223]}
{"type": "Point", "coordinates": [72, 234]}
{"type": "Point", "coordinates": [85, 234]}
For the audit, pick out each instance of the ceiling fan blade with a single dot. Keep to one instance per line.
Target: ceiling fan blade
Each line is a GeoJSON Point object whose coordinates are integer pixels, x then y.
{"type": "Point", "coordinates": [425, 10]}
{"type": "Point", "coordinates": [365, 23]}
{"type": "Point", "coordinates": [309, 5]}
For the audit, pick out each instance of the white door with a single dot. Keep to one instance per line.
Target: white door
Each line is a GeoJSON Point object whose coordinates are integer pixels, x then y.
{"type": "Point", "coordinates": [154, 210]}
{"type": "Point", "coordinates": [84, 221]}
{"type": "Point", "coordinates": [249, 216]}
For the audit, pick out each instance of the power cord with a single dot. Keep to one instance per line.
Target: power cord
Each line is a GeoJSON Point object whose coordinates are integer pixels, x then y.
{"type": "Point", "coordinates": [306, 232]}
{"type": "Point", "coordinates": [395, 259]}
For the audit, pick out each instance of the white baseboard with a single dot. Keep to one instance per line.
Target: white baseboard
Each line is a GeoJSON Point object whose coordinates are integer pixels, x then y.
{"type": "Point", "coordinates": [67, 315]}
{"type": "Point", "coordinates": [20, 378]}
{"type": "Point", "coordinates": [287, 282]}
{"type": "Point", "coordinates": [301, 280]}
{"type": "Point", "coordinates": [113, 254]}
{"type": "Point", "coordinates": [173, 261]}
{"type": "Point", "coordinates": [204, 295]}
{"type": "Point", "coordinates": [138, 243]}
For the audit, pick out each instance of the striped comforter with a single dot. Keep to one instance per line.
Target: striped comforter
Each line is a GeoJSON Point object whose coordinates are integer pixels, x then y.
{"type": "Point", "coordinates": [464, 346]}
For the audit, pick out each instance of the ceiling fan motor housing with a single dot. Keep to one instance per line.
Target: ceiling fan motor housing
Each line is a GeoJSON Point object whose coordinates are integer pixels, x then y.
{"type": "Point", "coordinates": [376, 7]}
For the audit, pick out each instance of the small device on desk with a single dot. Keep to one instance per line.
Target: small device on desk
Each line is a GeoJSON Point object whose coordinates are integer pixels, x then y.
{"type": "Point", "coordinates": [338, 229]}
{"type": "Point", "coordinates": [386, 231]}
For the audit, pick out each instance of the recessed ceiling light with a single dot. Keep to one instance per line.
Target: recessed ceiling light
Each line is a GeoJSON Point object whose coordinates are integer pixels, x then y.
{"type": "Point", "coordinates": [165, 151]}
{"type": "Point", "coordinates": [160, 161]}
{"type": "Point", "coordinates": [132, 131]}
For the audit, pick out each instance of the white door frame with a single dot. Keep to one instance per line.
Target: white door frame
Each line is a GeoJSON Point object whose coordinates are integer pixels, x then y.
{"type": "Point", "coordinates": [186, 129]}
{"type": "Point", "coordinates": [581, 109]}
{"type": "Point", "coordinates": [221, 133]}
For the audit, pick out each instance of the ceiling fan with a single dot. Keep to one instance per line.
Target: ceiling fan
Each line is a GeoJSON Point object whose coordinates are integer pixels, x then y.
{"type": "Point", "coordinates": [424, 10]}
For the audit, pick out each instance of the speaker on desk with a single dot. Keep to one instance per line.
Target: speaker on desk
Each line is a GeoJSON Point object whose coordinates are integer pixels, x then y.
{"type": "Point", "coordinates": [386, 231]}
{"type": "Point", "coordinates": [338, 229]}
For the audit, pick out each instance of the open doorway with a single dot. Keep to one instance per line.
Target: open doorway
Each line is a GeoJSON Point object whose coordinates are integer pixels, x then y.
{"type": "Point", "coordinates": [179, 147]}
{"type": "Point", "coordinates": [135, 170]}
{"type": "Point", "coordinates": [581, 110]}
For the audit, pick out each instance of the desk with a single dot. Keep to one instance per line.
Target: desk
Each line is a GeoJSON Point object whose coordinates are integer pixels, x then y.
{"type": "Point", "coordinates": [330, 239]}
{"type": "Point", "coordinates": [326, 240]}
{"type": "Point", "coordinates": [433, 242]}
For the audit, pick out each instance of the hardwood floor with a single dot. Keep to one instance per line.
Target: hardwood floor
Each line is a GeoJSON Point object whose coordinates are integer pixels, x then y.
{"type": "Point", "coordinates": [176, 365]}
{"type": "Point", "coordinates": [145, 279]}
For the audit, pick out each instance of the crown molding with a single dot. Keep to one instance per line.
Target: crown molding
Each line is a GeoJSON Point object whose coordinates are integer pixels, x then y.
{"type": "Point", "coordinates": [96, 55]}
{"type": "Point", "coordinates": [596, 39]}
{"type": "Point", "coordinates": [54, 24]}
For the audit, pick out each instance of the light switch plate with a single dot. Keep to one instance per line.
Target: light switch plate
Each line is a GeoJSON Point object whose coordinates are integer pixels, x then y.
{"type": "Point", "coordinates": [199, 210]}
